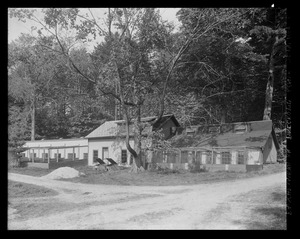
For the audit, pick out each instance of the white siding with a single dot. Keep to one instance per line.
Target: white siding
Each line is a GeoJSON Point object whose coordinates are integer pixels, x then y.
{"type": "Point", "coordinates": [254, 157]}
{"type": "Point", "coordinates": [273, 153]}
{"type": "Point", "coordinates": [218, 158]}
{"type": "Point", "coordinates": [114, 149]}
{"type": "Point", "coordinates": [234, 157]}
{"type": "Point", "coordinates": [203, 158]}
{"type": "Point", "coordinates": [270, 152]}
{"type": "Point", "coordinates": [59, 142]}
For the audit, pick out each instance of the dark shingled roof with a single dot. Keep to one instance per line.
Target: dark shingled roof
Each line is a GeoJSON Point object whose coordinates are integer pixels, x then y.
{"type": "Point", "coordinates": [256, 136]}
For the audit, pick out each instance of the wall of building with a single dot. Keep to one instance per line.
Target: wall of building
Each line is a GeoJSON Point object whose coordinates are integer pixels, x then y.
{"type": "Point", "coordinates": [255, 157]}
{"type": "Point", "coordinates": [270, 152]}
{"type": "Point", "coordinates": [79, 151]}
{"type": "Point", "coordinates": [114, 146]}
{"type": "Point", "coordinates": [225, 167]}
{"type": "Point", "coordinates": [206, 167]}
{"type": "Point", "coordinates": [55, 165]}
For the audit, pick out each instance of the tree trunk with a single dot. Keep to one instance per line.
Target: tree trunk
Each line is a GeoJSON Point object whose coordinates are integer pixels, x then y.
{"type": "Point", "coordinates": [270, 83]}
{"type": "Point", "coordinates": [269, 96]}
{"type": "Point", "coordinates": [223, 115]}
{"type": "Point", "coordinates": [33, 120]}
{"type": "Point", "coordinates": [138, 164]}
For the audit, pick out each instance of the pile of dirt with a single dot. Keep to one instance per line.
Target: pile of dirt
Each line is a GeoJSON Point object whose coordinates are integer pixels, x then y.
{"type": "Point", "coordinates": [63, 172]}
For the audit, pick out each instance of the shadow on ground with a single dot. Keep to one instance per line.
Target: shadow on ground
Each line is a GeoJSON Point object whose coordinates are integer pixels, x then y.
{"type": "Point", "coordinates": [270, 216]}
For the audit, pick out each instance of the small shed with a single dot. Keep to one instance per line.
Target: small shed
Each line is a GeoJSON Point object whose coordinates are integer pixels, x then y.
{"type": "Point", "coordinates": [240, 146]}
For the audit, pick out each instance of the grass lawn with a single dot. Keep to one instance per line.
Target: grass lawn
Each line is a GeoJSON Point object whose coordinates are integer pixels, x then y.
{"type": "Point", "coordinates": [37, 172]}
{"type": "Point", "coordinates": [266, 210]}
{"type": "Point", "coordinates": [22, 190]}
{"type": "Point", "coordinates": [153, 178]}
{"type": "Point", "coordinates": [29, 201]}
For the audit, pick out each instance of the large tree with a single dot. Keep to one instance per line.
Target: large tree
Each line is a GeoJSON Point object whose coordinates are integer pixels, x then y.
{"type": "Point", "coordinates": [226, 68]}
{"type": "Point", "coordinates": [141, 62]}
{"type": "Point", "coordinates": [28, 72]}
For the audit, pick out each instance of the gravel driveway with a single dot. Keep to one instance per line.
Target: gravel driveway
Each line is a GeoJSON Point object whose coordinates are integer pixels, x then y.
{"type": "Point", "coordinates": [141, 207]}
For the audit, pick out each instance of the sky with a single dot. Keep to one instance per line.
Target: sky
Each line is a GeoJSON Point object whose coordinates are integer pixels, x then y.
{"type": "Point", "coordinates": [15, 27]}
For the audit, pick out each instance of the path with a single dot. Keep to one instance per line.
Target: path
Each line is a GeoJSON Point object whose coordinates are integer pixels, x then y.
{"type": "Point", "coordinates": [139, 207]}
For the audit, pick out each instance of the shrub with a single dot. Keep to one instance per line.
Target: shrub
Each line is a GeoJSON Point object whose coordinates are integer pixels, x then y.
{"type": "Point", "coordinates": [196, 167]}
{"type": "Point", "coordinates": [13, 159]}
{"type": "Point", "coordinates": [166, 170]}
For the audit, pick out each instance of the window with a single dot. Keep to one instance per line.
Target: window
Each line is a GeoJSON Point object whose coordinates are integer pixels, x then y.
{"type": "Point", "coordinates": [241, 158]}
{"type": "Point", "coordinates": [190, 131]}
{"type": "Point", "coordinates": [85, 155]}
{"type": "Point", "coordinates": [198, 156]}
{"type": "Point", "coordinates": [214, 130]}
{"type": "Point", "coordinates": [95, 155]}
{"type": "Point", "coordinates": [165, 156]}
{"type": "Point", "coordinates": [70, 155]}
{"type": "Point", "coordinates": [184, 156]}
{"type": "Point", "coordinates": [216, 157]}
{"type": "Point", "coordinates": [124, 156]}
{"type": "Point", "coordinates": [226, 157]}
{"type": "Point", "coordinates": [59, 155]}
{"type": "Point", "coordinates": [172, 131]}
{"type": "Point", "coordinates": [208, 157]}
{"type": "Point", "coordinates": [45, 155]}
{"type": "Point", "coordinates": [240, 129]}
{"type": "Point", "coordinates": [32, 155]}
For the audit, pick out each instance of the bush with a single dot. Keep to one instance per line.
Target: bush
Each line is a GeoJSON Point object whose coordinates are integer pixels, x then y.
{"type": "Point", "coordinates": [282, 152]}
{"type": "Point", "coordinates": [161, 170]}
{"type": "Point", "coordinates": [196, 167]}
{"type": "Point", "coordinates": [13, 159]}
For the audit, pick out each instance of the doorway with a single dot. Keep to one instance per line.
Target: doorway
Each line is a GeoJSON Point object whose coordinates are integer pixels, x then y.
{"type": "Point", "coordinates": [105, 153]}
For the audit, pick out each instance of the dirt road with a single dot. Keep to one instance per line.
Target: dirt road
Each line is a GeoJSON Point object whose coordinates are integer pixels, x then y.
{"type": "Point", "coordinates": [141, 207]}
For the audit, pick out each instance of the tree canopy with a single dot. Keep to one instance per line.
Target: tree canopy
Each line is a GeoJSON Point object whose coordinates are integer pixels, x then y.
{"type": "Point", "coordinates": [222, 65]}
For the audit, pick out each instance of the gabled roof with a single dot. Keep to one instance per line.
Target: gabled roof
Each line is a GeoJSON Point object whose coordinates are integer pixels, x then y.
{"type": "Point", "coordinates": [116, 127]}
{"type": "Point", "coordinates": [256, 135]}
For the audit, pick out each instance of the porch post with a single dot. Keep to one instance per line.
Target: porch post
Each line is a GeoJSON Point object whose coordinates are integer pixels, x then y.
{"type": "Point", "coordinates": [33, 155]}
{"type": "Point", "coordinates": [57, 155]}
{"type": "Point", "coordinates": [65, 151]}
{"type": "Point", "coordinates": [49, 152]}
{"type": "Point", "coordinates": [73, 153]}
{"type": "Point", "coordinates": [180, 155]}
{"type": "Point", "coordinates": [44, 156]}
{"type": "Point", "coordinates": [79, 152]}
{"type": "Point", "coordinates": [48, 155]}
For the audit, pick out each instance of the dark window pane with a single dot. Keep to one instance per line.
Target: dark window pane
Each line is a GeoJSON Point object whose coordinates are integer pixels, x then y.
{"type": "Point", "coordinates": [124, 156]}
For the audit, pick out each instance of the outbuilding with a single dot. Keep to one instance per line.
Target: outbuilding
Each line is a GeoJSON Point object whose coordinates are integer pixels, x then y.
{"type": "Point", "coordinates": [54, 153]}
{"type": "Point", "coordinates": [108, 140]}
{"type": "Point", "coordinates": [240, 146]}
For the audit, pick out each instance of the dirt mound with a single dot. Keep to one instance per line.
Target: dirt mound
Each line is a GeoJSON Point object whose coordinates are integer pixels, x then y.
{"type": "Point", "coordinates": [63, 172]}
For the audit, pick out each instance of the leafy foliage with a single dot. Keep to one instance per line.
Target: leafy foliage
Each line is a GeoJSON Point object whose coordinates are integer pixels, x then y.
{"type": "Point", "coordinates": [214, 69]}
